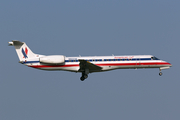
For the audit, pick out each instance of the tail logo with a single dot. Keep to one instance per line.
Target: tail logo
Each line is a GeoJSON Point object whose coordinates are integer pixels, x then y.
{"type": "Point", "coordinates": [25, 52]}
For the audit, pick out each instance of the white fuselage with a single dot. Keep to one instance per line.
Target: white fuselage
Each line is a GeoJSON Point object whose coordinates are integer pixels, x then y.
{"type": "Point", "coordinates": [106, 62]}
{"type": "Point", "coordinates": [85, 65]}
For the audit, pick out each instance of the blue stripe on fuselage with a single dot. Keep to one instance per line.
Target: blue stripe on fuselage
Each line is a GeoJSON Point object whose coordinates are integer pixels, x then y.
{"type": "Point", "coordinates": [99, 60]}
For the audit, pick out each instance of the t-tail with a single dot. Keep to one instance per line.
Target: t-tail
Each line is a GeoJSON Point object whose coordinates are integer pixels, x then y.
{"type": "Point", "coordinates": [22, 50]}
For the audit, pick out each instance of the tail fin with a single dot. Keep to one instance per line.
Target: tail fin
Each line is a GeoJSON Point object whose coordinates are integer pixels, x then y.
{"type": "Point", "coordinates": [22, 50]}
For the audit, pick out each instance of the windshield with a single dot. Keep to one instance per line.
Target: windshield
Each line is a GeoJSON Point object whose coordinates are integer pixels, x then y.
{"type": "Point", "coordinates": [154, 58]}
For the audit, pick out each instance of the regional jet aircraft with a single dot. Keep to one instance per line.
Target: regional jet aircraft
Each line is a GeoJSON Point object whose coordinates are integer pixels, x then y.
{"type": "Point", "coordinates": [85, 65]}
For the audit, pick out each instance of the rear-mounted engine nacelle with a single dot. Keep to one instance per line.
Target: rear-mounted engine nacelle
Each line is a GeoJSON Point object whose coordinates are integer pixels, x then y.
{"type": "Point", "coordinates": [52, 59]}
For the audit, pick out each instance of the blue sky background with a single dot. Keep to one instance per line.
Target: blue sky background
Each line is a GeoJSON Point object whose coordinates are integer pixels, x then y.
{"type": "Point", "coordinates": [90, 28]}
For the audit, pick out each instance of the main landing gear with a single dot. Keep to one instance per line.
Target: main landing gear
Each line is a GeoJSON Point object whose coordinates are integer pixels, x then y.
{"type": "Point", "coordinates": [84, 76]}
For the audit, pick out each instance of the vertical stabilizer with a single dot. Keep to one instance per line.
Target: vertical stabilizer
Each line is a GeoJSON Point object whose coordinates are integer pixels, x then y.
{"type": "Point", "coordinates": [22, 50]}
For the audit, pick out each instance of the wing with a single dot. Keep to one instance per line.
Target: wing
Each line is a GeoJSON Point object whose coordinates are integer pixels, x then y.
{"type": "Point", "coordinates": [88, 65]}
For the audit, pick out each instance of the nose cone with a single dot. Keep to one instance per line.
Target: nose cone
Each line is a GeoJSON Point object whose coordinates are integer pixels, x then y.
{"type": "Point", "coordinates": [165, 65]}
{"type": "Point", "coordinates": [168, 64]}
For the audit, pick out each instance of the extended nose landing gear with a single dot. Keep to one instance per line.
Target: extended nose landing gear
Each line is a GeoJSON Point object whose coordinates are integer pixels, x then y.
{"type": "Point", "coordinates": [160, 73]}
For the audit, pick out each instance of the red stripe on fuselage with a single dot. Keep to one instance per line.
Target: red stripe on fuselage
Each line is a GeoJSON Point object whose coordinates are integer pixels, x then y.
{"type": "Point", "coordinates": [128, 64]}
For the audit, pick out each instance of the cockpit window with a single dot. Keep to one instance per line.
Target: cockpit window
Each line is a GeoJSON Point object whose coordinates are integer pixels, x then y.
{"type": "Point", "coordinates": [154, 58]}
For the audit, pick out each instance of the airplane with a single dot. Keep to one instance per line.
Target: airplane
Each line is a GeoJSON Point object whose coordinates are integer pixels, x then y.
{"type": "Point", "coordinates": [85, 65]}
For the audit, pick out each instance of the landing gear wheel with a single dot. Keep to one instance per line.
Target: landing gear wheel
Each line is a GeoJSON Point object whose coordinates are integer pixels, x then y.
{"type": "Point", "coordinates": [85, 76]}
{"type": "Point", "coordinates": [160, 73]}
{"type": "Point", "coordinates": [82, 78]}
